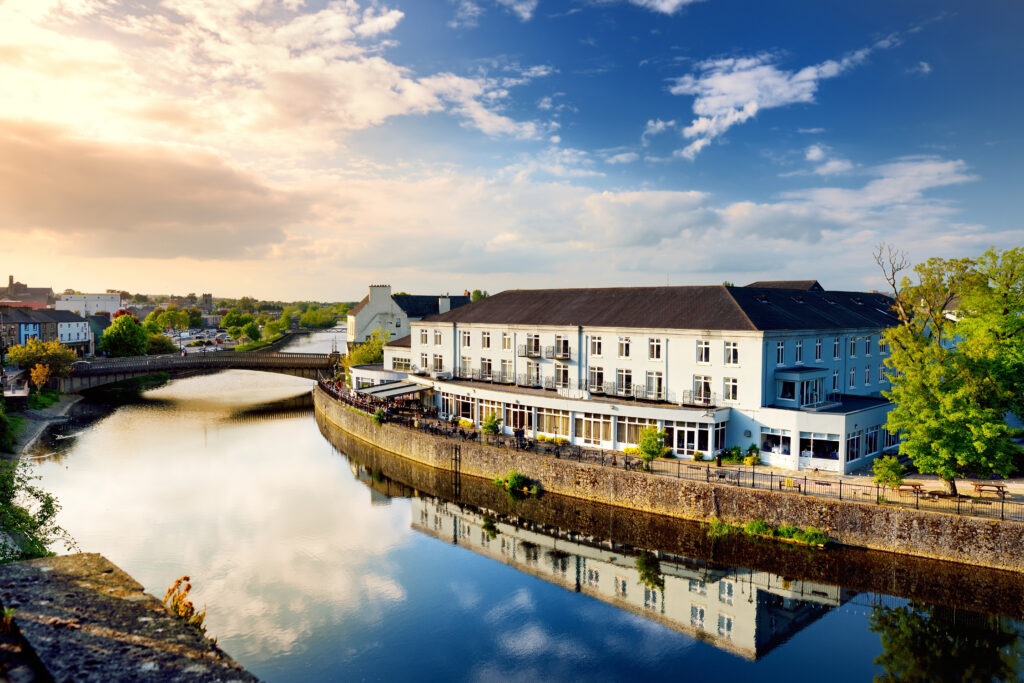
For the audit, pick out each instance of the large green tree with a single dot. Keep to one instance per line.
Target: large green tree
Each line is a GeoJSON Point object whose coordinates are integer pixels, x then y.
{"type": "Point", "coordinates": [124, 337]}
{"type": "Point", "coordinates": [956, 357]}
{"type": "Point", "coordinates": [369, 352]}
{"type": "Point", "coordinates": [28, 515]}
{"type": "Point", "coordinates": [35, 352]}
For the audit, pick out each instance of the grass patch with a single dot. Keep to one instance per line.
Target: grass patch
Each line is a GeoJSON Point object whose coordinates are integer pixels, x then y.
{"type": "Point", "coordinates": [809, 536]}
{"type": "Point", "coordinates": [719, 529]}
{"type": "Point", "coordinates": [43, 399]}
{"type": "Point", "coordinates": [262, 343]}
{"type": "Point", "coordinates": [519, 485]}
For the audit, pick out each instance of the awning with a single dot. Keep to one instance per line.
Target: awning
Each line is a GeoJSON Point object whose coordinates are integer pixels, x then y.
{"type": "Point", "coordinates": [392, 389]}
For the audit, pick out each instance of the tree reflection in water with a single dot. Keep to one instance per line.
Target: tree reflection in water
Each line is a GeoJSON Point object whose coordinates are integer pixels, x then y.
{"type": "Point", "coordinates": [926, 643]}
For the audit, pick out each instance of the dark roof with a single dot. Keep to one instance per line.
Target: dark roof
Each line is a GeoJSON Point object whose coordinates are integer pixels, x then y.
{"type": "Point", "coordinates": [100, 322]}
{"type": "Point", "coordinates": [715, 307]}
{"type": "Point", "coordinates": [17, 315]}
{"type": "Point", "coordinates": [60, 316]}
{"type": "Point", "coordinates": [402, 342]}
{"type": "Point", "coordinates": [415, 305]}
{"type": "Point", "coordinates": [806, 285]}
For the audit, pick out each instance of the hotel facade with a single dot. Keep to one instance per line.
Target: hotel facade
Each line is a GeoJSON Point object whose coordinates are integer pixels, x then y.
{"type": "Point", "coordinates": [787, 366]}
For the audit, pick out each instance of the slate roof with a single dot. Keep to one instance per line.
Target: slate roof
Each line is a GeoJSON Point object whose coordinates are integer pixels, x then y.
{"type": "Point", "coordinates": [415, 305]}
{"type": "Point", "coordinates": [402, 342]}
{"type": "Point", "coordinates": [60, 316]}
{"type": "Point", "coordinates": [806, 285]}
{"type": "Point", "coordinates": [715, 307]}
{"type": "Point", "coordinates": [18, 315]}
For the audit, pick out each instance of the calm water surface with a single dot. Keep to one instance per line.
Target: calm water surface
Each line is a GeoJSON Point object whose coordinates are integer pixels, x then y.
{"type": "Point", "coordinates": [310, 570]}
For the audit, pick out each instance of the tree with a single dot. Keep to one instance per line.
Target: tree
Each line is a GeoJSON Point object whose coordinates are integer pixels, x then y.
{"type": "Point", "coordinates": [173, 320]}
{"type": "Point", "coordinates": [888, 471]}
{"type": "Point", "coordinates": [28, 515]}
{"type": "Point", "coordinates": [195, 317]}
{"type": "Point", "coordinates": [52, 354]}
{"type": "Point", "coordinates": [124, 337]}
{"type": "Point", "coordinates": [247, 303]}
{"type": "Point", "coordinates": [158, 344]}
{"type": "Point", "coordinates": [252, 331]}
{"type": "Point", "coordinates": [478, 294]}
{"type": "Point", "coordinates": [151, 323]}
{"type": "Point", "coordinates": [235, 318]}
{"type": "Point", "coordinates": [40, 375]}
{"type": "Point", "coordinates": [369, 352]}
{"type": "Point", "coordinates": [491, 425]}
{"type": "Point", "coordinates": [926, 643]}
{"type": "Point", "coordinates": [8, 438]}
{"type": "Point", "coordinates": [728, 283]}
{"type": "Point", "coordinates": [649, 567]}
{"type": "Point", "coordinates": [651, 445]}
{"type": "Point", "coordinates": [957, 354]}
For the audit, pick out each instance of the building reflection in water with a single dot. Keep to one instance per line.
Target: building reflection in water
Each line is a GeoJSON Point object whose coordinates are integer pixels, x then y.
{"type": "Point", "coordinates": [744, 611]}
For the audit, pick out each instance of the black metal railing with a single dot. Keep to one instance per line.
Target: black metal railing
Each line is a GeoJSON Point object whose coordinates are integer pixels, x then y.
{"type": "Point", "coordinates": [557, 353]}
{"type": "Point", "coordinates": [529, 351]}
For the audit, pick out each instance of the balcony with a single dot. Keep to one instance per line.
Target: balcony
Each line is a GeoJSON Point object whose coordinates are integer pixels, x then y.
{"type": "Point", "coordinates": [704, 399]}
{"type": "Point", "coordinates": [549, 383]}
{"type": "Point", "coordinates": [648, 394]}
{"type": "Point", "coordinates": [528, 380]}
{"type": "Point", "coordinates": [622, 389]}
{"type": "Point", "coordinates": [465, 373]}
{"type": "Point", "coordinates": [529, 351]}
{"type": "Point", "coordinates": [558, 353]}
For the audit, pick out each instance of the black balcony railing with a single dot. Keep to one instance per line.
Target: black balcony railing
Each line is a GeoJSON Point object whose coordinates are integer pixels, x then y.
{"type": "Point", "coordinates": [529, 351]}
{"type": "Point", "coordinates": [698, 398]}
{"type": "Point", "coordinates": [528, 380]}
{"type": "Point", "coordinates": [558, 352]}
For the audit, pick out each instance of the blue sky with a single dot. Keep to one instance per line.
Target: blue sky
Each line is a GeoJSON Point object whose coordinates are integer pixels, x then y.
{"type": "Point", "coordinates": [301, 150]}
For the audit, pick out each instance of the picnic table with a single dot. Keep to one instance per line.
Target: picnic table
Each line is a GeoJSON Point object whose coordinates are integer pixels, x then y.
{"type": "Point", "coordinates": [910, 487]}
{"type": "Point", "coordinates": [998, 489]}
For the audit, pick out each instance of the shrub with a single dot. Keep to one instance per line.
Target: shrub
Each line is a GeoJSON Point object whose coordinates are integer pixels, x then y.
{"type": "Point", "coordinates": [718, 529]}
{"type": "Point", "coordinates": [752, 460]}
{"type": "Point", "coordinates": [178, 602]}
{"type": "Point", "coordinates": [466, 424]}
{"type": "Point", "coordinates": [888, 471]}
{"type": "Point", "coordinates": [814, 536]}
{"type": "Point", "coordinates": [758, 527]}
{"type": "Point", "coordinates": [27, 515]}
{"type": "Point", "coordinates": [753, 449]}
{"type": "Point", "coordinates": [491, 424]}
{"type": "Point", "coordinates": [787, 531]}
{"type": "Point", "coordinates": [649, 568]}
{"type": "Point", "coordinates": [631, 450]}
{"type": "Point", "coordinates": [562, 441]}
{"type": "Point", "coordinates": [697, 456]}
{"type": "Point", "coordinates": [735, 454]}
{"type": "Point", "coordinates": [542, 438]}
{"type": "Point", "coordinates": [517, 480]}
{"type": "Point", "coordinates": [652, 444]}
{"type": "Point", "coordinates": [7, 432]}
{"type": "Point", "coordinates": [378, 417]}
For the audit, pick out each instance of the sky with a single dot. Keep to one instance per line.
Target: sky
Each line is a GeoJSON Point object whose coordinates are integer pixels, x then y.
{"type": "Point", "coordinates": [290, 149]}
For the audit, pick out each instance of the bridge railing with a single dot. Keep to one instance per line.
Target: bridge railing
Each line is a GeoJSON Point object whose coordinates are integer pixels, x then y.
{"type": "Point", "coordinates": [244, 360]}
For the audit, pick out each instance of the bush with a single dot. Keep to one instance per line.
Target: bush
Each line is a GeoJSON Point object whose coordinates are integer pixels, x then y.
{"type": "Point", "coordinates": [158, 344]}
{"type": "Point", "coordinates": [378, 417]}
{"type": "Point", "coordinates": [27, 515]}
{"type": "Point", "coordinates": [752, 460]}
{"type": "Point", "coordinates": [813, 536]}
{"type": "Point", "coordinates": [491, 424]}
{"type": "Point", "coordinates": [758, 527]}
{"type": "Point", "coordinates": [41, 400]}
{"type": "Point", "coordinates": [541, 438]}
{"type": "Point", "coordinates": [8, 433]}
{"type": "Point", "coordinates": [888, 471]}
{"type": "Point", "coordinates": [652, 444]}
{"type": "Point", "coordinates": [561, 441]}
{"type": "Point", "coordinates": [649, 568]}
{"type": "Point", "coordinates": [718, 529]}
{"type": "Point", "coordinates": [753, 449]}
{"type": "Point", "coordinates": [517, 480]}
{"type": "Point", "coordinates": [631, 450]}
{"type": "Point", "coordinates": [787, 531]}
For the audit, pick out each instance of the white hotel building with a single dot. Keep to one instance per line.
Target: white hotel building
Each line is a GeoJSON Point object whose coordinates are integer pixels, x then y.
{"type": "Point", "coordinates": [788, 366]}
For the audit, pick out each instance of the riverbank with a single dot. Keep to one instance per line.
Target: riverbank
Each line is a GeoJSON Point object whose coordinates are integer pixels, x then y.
{"type": "Point", "coordinates": [902, 530]}
{"type": "Point", "coordinates": [36, 422]}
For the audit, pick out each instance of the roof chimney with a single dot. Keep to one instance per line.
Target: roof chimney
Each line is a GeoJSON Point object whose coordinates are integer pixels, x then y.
{"type": "Point", "coordinates": [10, 283]}
{"type": "Point", "coordinates": [444, 304]}
{"type": "Point", "coordinates": [380, 293]}
{"type": "Point", "coordinates": [466, 293]}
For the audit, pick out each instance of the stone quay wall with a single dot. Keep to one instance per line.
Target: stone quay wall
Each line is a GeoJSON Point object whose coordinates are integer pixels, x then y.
{"type": "Point", "coordinates": [968, 540]}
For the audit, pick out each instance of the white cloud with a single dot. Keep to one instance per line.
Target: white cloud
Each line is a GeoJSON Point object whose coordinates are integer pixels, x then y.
{"type": "Point", "coordinates": [923, 68]}
{"type": "Point", "coordinates": [732, 90]}
{"type": "Point", "coordinates": [622, 158]}
{"type": "Point", "coordinates": [663, 6]}
{"type": "Point", "coordinates": [834, 166]}
{"type": "Point", "coordinates": [810, 131]}
{"type": "Point", "coordinates": [655, 127]}
{"type": "Point", "coordinates": [814, 153]}
{"type": "Point", "coordinates": [521, 8]}
{"type": "Point", "coordinates": [467, 14]}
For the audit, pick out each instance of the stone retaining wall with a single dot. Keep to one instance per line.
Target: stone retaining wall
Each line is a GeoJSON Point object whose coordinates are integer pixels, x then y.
{"type": "Point", "coordinates": [912, 532]}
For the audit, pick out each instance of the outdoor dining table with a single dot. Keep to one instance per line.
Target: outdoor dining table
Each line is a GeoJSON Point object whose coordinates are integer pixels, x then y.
{"type": "Point", "coordinates": [998, 489]}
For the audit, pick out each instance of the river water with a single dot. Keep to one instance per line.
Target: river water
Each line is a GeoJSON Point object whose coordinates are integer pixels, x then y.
{"type": "Point", "coordinates": [317, 565]}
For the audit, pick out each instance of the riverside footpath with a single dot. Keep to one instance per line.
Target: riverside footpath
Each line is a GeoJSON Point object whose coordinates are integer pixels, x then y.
{"type": "Point", "coordinates": [848, 516]}
{"type": "Point", "coordinates": [36, 422]}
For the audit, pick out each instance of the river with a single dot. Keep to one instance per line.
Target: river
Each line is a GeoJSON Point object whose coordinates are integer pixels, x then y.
{"type": "Point", "coordinates": [317, 565]}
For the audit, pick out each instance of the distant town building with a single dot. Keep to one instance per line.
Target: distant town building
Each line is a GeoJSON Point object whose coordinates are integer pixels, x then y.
{"type": "Point", "coordinates": [207, 303]}
{"type": "Point", "coordinates": [89, 304]}
{"type": "Point", "coordinates": [393, 312]}
{"type": "Point", "coordinates": [21, 324]}
{"type": "Point", "coordinates": [72, 329]}
{"type": "Point", "coordinates": [20, 294]}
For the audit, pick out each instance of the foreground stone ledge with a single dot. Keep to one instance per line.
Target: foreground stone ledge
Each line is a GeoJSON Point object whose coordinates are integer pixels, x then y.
{"type": "Point", "coordinates": [87, 620]}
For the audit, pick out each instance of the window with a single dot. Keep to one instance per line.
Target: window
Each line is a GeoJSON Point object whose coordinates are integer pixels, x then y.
{"type": "Point", "coordinates": [595, 346]}
{"type": "Point", "coordinates": [815, 445]}
{"type": "Point", "coordinates": [867, 346]}
{"type": "Point", "coordinates": [466, 342]}
{"type": "Point", "coordinates": [596, 379]}
{"type": "Point", "coordinates": [853, 446]}
{"type": "Point", "coordinates": [724, 626]}
{"type": "Point", "coordinates": [799, 351]}
{"type": "Point", "coordinates": [438, 362]}
{"type": "Point", "coordinates": [654, 349]}
{"type": "Point", "coordinates": [702, 387]}
{"type": "Point", "coordinates": [518, 416]}
{"type": "Point", "coordinates": [881, 373]}
{"type": "Point", "coordinates": [620, 586]}
{"type": "Point", "coordinates": [703, 351]}
{"type": "Point", "coordinates": [488, 408]}
{"type": "Point", "coordinates": [624, 381]}
{"type": "Point", "coordinates": [437, 337]}
{"type": "Point", "coordinates": [650, 598]}
{"type": "Point", "coordinates": [780, 353]}
{"type": "Point", "coordinates": [628, 428]}
{"type": "Point", "coordinates": [401, 363]}
{"type": "Point", "coordinates": [699, 587]}
{"type": "Point", "coordinates": [732, 389]}
{"type": "Point", "coordinates": [423, 336]}
{"type": "Point", "coordinates": [465, 366]}
{"type": "Point", "coordinates": [870, 440]}
{"type": "Point", "coordinates": [890, 439]}
{"type": "Point", "coordinates": [725, 591]}
{"type": "Point", "coordinates": [732, 353]}
{"type": "Point", "coordinates": [697, 616]}
{"type": "Point", "coordinates": [506, 371]}
{"type": "Point", "coordinates": [552, 421]}
{"type": "Point", "coordinates": [655, 385]}
{"type": "Point", "coordinates": [835, 349]}
{"type": "Point", "coordinates": [593, 429]}
{"type": "Point", "coordinates": [561, 347]}
{"type": "Point", "coordinates": [835, 380]}
{"type": "Point", "coordinates": [485, 340]}
{"type": "Point", "coordinates": [787, 390]}
{"type": "Point", "coordinates": [867, 375]}
{"type": "Point", "coordinates": [532, 372]}
{"type": "Point", "coordinates": [853, 378]}
{"type": "Point", "coordinates": [485, 368]}
{"type": "Point", "coordinates": [853, 348]}
{"type": "Point", "coordinates": [817, 350]}
{"type": "Point", "coordinates": [562, 376]}
{"type": "Point", "coordinates": [776, 440]}
{"type": "Point", "coordinates": [506, 341]}
{"type": "Point", "coordinates": [533, 345]}
{"type": "Point", "coordinates": [424, 361]}
{"type": "Point", "coordinates": [623, 347]}
{"type": "Point", "coordinates": [883, 345]}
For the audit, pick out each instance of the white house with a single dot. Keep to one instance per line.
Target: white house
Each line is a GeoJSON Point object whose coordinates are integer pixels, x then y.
{"type": "Point", "coordinates": [89, 304]}
{"type": "Point", "coordinates": [72, 330]}
{"type": "Point", "coordinates": [393, 312]}
{"type": "Point", "coordinates": [796, 371]}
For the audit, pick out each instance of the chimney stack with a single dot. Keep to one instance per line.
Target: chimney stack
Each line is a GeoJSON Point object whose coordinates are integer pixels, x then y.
{"type": "Point", "coordinates": [444, 304]}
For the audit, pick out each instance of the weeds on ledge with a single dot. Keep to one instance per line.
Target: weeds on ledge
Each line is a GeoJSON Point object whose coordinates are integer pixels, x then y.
{"type": "Point", "coordinates": [719, 529]}
{"type": "Point", "coordinates": [808, 536]}
{"type": "Point", "coordinates": [519, 485]}
{"type": "Point", "coordinates": [177, 601]}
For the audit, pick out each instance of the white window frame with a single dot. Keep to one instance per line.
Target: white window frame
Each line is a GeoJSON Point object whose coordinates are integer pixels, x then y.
{"type": "Point", "coordinates": [485, 340]}
{"type": "Point", "coordinates": [506, 341]}
{"type": "Point", "coordinates": [731, 389]}
{"type": "Point", "coordinates": [817, 350]}
{"type": "Point", "coordinates": [835, 348]}
{"type": "Point", "coordinates": [654, 348]}
{"type": "Point", "coordinates": [732, 353]}
{"type": "Point", "coordinates": [867, 375]}
{"type": "Point", "coordinates": [624, 343]}
{"type": "Point", "coordinates": [703, 352]}
{"type": "Point", "coordinates": [437, 337]}
{"type": "Point", "coordinates": [657, 379]}
{"type": "Point", "coordinates": [424, 336]}
{"type": "Point", "coordinates": [595, 346]}
{"type": "Point", "coordinates": [623, 380]}
{"type": "Point", "coordinates": [799, 352]}
{"type": "Point", "coordinates": [853, 378]}
{"type": "Point", "coordinates": [835, 380]}
{"type": "Point", "coordinates": [867, 346]}
{"type": "Point", "coordinates": [467, 339]}
{"type": "Point", "coordinates": [780, 353]}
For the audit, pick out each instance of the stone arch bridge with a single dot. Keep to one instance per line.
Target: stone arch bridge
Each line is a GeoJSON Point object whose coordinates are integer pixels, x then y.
{"type": "Point", "coordinates": [89, 374]}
